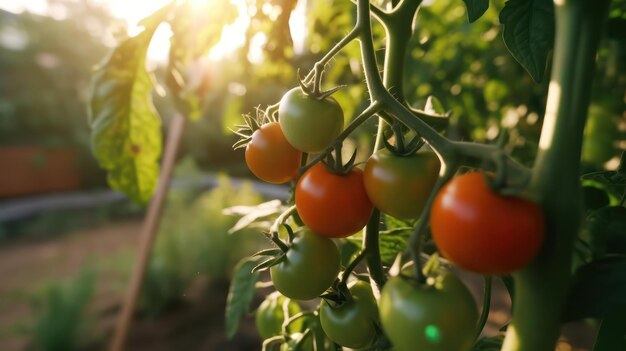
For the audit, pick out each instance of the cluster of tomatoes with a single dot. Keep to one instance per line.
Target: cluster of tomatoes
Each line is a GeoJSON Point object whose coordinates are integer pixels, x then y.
{"type": "Point", "coordinates": [472, 226]}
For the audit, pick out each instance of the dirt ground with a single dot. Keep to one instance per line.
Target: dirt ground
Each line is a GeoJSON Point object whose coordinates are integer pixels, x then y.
{"type": "Point", "coordinates": [196, 324]}
{"type": "Point", "coordinates": [25, 266]}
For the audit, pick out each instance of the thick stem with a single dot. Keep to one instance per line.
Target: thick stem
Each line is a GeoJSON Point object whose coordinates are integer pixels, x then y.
{"type": "Point", "coordinates": [398, 29]}
{"type": "Point", "coordinates": [541, 288]}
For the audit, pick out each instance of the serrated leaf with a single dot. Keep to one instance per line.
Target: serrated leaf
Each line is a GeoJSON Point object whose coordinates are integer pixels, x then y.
{"type": "Point", "coordinates": [476, 8]}
{"type": "Point", "coordinates": [196, 28]}
{"type": "Point", "coordinates": [125, 127]}
{"type": "Point", "coordinates": [392, 242]}
{"type": "Point", "coordinates": [240, 294]}
{"type": "Point", "coordinates": [493, 343]}
{"type": "Point", "coordinates": [596, 289]}
{"type": "Point", "coordinates": [529, 33]}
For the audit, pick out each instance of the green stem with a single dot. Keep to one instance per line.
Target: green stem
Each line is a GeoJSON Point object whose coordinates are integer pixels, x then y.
{"type": "Point", "coordinates": [484, 315]}
{"type": "Point", "coordinates": [370, 245]}
{"type": "Point", "coordinates": [282, 218]}
{"type": "Point", "coordinates": [416, 239]}
{"type": "Point", "coordinates": [541, 288]}
{"type": "Point", "coordinates": [355, 262]}
{"type": "Point", "coordinates": [353, 34]}
{"type": "Point", "coordinates": [397, 25]}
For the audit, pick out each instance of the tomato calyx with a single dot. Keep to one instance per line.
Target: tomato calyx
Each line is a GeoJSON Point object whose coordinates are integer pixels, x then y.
{"type": "Point", "coordinates": [334, 163]}
{"type": "Point", "coordinates": [250, 125]}
{"type": "Point", "coordinates": [401, 147]}
{"type": "Point", "coordinates": [276, 254]}
{"type": "Point", "coordinates": [312, 88]}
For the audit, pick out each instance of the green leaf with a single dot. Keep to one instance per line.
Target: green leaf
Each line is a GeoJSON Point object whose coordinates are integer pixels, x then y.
{"type": "Point", "coordinates": [529, 33]}
{"type": "Point", "coordinates": [434, 106]}
{"type": "Point", "coordinates": [393, 242]}
{"type": "Point", "coordinates": [196, 28]}
{"type": "Point", "coordinates": [612, 182]}
{"type": "Point", "coordinates": [126, 129]}
{"type": "Point", "coordinates": [596, 289]}
{"type": "Point", "coordinates": [607, 230]}
{"type": "Point", "coordinates": [493, 343]}
{"type": "Point", "coordinates": [612, 333]}
{"type": "Point", "coordinates": [240, 294]}
{"type": "Point", "coordinates": [476, 8]}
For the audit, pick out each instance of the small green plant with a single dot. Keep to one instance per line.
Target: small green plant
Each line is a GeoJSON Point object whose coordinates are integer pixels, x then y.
{"type": "Point", "coordinates": [59, 309]}
{"type": "Point", "coordinates": [194, 241]}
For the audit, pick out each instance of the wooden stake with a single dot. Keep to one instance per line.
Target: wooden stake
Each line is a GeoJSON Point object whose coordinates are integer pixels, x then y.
{"type": "Point", "coordinates": [148, 233]}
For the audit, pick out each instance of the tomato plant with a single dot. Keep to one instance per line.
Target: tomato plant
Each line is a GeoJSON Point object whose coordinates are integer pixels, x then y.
{"type": "Point", "coordinates": [270, 157]}
{"type": "Point", "coordinates": [332, 205]}
{"type": "Point", "coordinates": [482, 231]}
{"type": "Point", "coordinates": [437, 317]}
{"type": "Point", "coordinates": [310, 124]}
{"type": "Point", "coordinates": [537, 155]}
{"type": "Point", "coordinates": [351, 323]}
{"type": "Point", "coordinates": [309, 268]}
{"type": "Point", "coordinates": [400, 185]}
{"type": "Point", "coordinates": [273, 312]}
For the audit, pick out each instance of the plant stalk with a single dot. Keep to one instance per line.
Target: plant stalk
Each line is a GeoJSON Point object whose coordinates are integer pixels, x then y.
{"type": "Point", "coordinates": [541, 288]}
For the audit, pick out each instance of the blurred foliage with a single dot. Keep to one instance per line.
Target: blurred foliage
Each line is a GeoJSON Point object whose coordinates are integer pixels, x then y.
{"type": "Point", "coordinates": [60, 313]}
{"type": "Point", "coordinates": [466, 65]}
{"type": "Point", "coordinates": [44, 77]}
{"type": "Point", "coordinates": [193, 241]}
{"type": "Point", "coordinates": [45, 68]}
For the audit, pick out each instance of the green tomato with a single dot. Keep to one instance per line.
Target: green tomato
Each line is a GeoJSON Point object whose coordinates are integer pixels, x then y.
{"type": "Point", "coordinates": [271, 314]}
{"type": "Point", "coordinates": [310, 267]}
{"type": "Point", "coordinates": [437, 317]}
{"type": "Point", "coordinates": [353, 323]}
{"type": "Point", "coordinates": [400, 185]}
{"type": "Point", "coordinates": [309, 124]}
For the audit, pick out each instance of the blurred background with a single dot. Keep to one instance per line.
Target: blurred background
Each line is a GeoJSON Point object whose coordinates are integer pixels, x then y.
{"type": "Point", "coordinates": [67, 242]}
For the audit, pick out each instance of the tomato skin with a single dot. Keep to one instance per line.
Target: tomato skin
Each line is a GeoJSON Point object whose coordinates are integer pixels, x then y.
{"type": "Point", "coordinates": [269, 155]}
{"type": "Point", "coordinates": [310, 125]}
{"type": "Point", "coordinates": [332, 205]}
{"type": "Point", "coordinates": [483, 231]}
{"type": "Point", "coordinates": [270, 315]}
{"type": "Point", "coordinates": [438, 317]}
{"type": "Point", "coordinates": [353, 324]}
{"type": "Point", "coordinates": [311, 266]}
{"type": "Point", "coordinates": [400, 185]}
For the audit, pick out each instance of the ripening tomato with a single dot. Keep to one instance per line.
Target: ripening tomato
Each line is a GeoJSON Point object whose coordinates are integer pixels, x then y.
{"type": "Point", "coordinates": [400, 185]}
{"type": "Point", "coordinates": [352, 324]}
{"type": "Point", "coordinates": [332, 205]}
{"type": "Point", "coordinates": [273, 312]}
{"type": "Point", "coordinates": [483, 231]}
{"type": "Point", "coordinates": [270, 157]}
{"type": "Point", "coordinates": [310, 267]}
{"type": "Point", "coordinates": [436, 317]}
{"type": "Point", "coordinates": [309, 124]}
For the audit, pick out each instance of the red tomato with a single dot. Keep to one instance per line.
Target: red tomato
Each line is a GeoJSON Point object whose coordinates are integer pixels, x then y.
{"type": "Point", "coordinates": [332, 205]}
{"type": "Point", "coordinates": [270, 157]}
{"type": "Point", "coordinates": [483, 231]}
